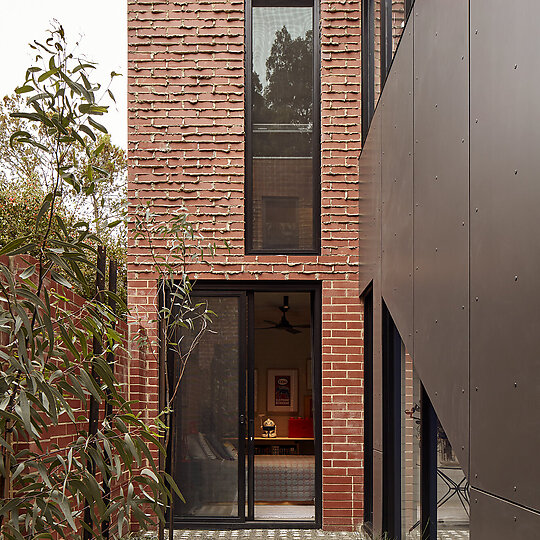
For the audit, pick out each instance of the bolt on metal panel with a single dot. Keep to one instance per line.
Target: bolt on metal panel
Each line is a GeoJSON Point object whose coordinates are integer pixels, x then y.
{"type": "Point", "coordinates": [496, 519]}
{"type": "Point", "coordinates": [441, 213]}
{"type": "Point", "coordinates": [397, 189]}
{"type": "Point", "coordinates": [505, 251]}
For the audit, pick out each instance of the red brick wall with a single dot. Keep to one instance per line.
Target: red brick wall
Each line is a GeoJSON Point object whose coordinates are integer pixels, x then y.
{"type": "Point", "coordinates": [186, 146]}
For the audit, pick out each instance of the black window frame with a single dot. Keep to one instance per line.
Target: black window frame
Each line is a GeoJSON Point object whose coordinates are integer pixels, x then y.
{"type": "Point", "coordinates": [316, 136]}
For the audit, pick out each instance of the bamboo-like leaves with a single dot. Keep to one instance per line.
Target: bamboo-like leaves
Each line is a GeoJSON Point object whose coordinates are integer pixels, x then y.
{"type": "Point", "coordinates": [49, 370]}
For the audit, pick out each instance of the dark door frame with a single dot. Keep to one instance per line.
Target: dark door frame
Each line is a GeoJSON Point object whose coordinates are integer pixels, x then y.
{"type": "Point", "coordinates": [221, 287]}
{"type": "Point", "coordinates": [368, 409]}
{"type": "Point", "coordinates": [391, 362]}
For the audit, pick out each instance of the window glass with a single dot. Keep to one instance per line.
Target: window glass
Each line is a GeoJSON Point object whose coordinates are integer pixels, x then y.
{"type": "Point", "coordinates": [377, 50]}
{"type": "Point", "coordinates": [398, 23]}
{"type": "Point", "coordinates": [205, 457]}
{"type": "Point", "coordinates": [452, 492]}
{"type": "Point", "coordinates": [410, 450]}
{"type": "Point", "coordinates": [281, 131]}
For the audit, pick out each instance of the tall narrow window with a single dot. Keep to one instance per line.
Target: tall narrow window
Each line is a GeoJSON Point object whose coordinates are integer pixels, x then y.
{"type": "Point", "coordinates": [282, 146]}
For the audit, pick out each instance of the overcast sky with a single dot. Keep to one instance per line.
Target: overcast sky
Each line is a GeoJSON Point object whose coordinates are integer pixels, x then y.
{"type": "Point", "coordinates": [99, 25]}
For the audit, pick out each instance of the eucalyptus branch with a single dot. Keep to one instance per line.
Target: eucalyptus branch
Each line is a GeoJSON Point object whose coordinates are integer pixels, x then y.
{"type": "Point", "coordinates": [46, 365]}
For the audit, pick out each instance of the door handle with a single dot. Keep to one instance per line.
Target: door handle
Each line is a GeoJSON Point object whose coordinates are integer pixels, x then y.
{"type": "Point", "coordinates": [242, 419]}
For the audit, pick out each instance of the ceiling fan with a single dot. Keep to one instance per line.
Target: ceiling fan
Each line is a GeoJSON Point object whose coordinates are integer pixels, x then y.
{"type": "Point", "coordinates": [284, 324]}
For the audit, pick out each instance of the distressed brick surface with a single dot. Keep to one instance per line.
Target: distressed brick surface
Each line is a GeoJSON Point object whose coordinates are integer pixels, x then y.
{"type": "Point", "coordinates": [186, 146]}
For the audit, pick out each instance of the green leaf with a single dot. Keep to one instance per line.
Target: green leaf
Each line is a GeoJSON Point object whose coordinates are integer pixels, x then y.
{"type": "Point", "coordinates": [172, 483]}
{"type": "Point", "coordinates": [17, 471]}
{"type": "Point", "coordinates": [38, 97]}
{"type": "Point", "coordinates": [43, 210]}
{"type": "Point", "coordinates": [90, 384]}
{"type": "Point", "coordinates": [60, 279]}
{"type": "Point", "coordinates": [97, 125]}
{"type": "Point", "coordinates": [131, 447]}
{"type": "Point", "coordinates": [47, 74]}
{"type": "Point", "coordinates": [23, 89]}
{"type": "Point", "coordinates": [32, 142]}
{"type": "Point", "coordinates": [24, 405]}
{"type": "Point", "coordinates": [148, 472]}
{"type": "Point", "coordinates": [63, 503]}
{"type": "Point", "coordinates": [11, 247]}
{"type": "Point", "coordinates": [27, 116]}
{"type": "Point", "coordinates": [88, 131]}
{"type": "Point", "coordinates": [6, 445]}
{"type": "Point", "coordinates": [90, 188]}
{"type": "Point", "coordinates": [28, 272]}
{"type": "Point", "coordinates": [76, 87]}
{"type": "Point", "coordinates": [29, 295]}
{"type": "Point", "coordinates": [78, 137]}
{"type": "Point", "coordinates": [91, 108]}
{"type": "Point", "coordinates": [83, 66]}
{"type": "Point", "coordinates": [99, 149]}
{"type": "Point", "coordinates": [21, 136]}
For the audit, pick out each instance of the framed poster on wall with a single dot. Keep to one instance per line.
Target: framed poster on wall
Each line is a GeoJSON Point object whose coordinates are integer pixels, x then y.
{"type": "Point", "coordinates": [282, 392]}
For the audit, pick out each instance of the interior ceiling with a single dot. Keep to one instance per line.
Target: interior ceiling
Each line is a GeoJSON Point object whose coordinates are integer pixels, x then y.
{"type": "Point", "coordinates": [267, 306]}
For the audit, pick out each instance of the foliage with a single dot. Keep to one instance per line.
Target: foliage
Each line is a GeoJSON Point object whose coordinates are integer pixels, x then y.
{"type": "Point", "coordinates": [19, 206]}
{"type": "Point", "coordinates": [182, 323]}
{"type": "Point", "coordinates": [26, 175]}
{"type": "Point", "coordinates": [52, 371]}
{"type": "Point", "coordinates": [24, 163]}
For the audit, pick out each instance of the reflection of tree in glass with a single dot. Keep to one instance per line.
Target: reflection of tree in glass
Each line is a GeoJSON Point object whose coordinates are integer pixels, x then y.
{"type": "Point", "coordinates": [289, 70]}
{"type": "Point", "coordinates": [260, 111]}
{"type": "Point", "coordinates": [287, 97]}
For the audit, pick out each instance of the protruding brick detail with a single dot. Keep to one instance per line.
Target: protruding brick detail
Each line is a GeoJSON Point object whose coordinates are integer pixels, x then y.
{"type": "Point", "coordinates": [186, 146]}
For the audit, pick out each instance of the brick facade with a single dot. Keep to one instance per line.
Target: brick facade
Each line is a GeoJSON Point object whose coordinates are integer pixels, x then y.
{"type": "Point", "coordinates": [186, 146]}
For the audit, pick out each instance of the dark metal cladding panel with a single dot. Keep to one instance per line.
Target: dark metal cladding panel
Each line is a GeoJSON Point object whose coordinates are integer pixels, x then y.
{"type": "Point", "coordinates": [397, 189]}
{"type": "Point", "coordinates": [505, 250]}
{"type": "Point", "coordinates": [441, 213]}
{"type": "Point", "coordinates": [370, 204]}
{"type": "Point", "coordinates": [495, 519]}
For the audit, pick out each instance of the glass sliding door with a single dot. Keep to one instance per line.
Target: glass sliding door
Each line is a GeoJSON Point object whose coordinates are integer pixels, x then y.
{"type": "Point", "coordinates": [209, 417]}
{"type": "Point", "coordinates": [245, 444]}
{"type": "Point", "coordinates": [453, 505]}
{"type": "Point", "coordinates": [283, 435]}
